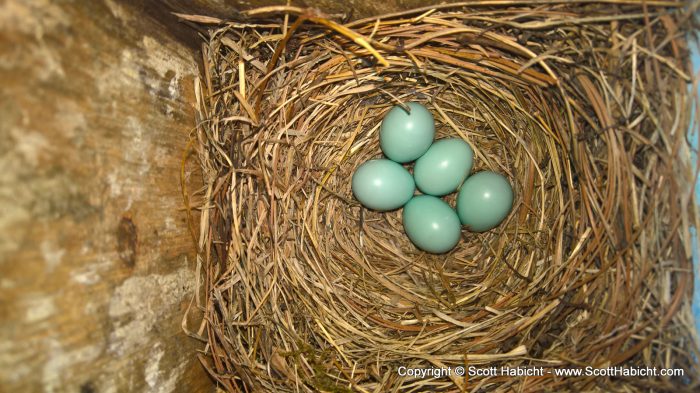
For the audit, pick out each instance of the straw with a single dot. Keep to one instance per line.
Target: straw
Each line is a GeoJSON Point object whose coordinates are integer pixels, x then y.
{"type": "Point", "coordinates": [582, 105]}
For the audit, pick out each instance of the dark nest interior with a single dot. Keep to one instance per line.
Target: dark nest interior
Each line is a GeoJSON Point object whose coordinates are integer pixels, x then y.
{"type": "Point", "coordinates": [584, 106]}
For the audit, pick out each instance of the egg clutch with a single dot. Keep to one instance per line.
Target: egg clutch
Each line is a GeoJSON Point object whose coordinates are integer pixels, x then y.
{"type": "Point", "coordinates": [441, 168]}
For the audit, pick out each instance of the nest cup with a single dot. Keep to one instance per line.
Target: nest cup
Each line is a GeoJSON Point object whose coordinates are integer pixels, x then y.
{"type": "Point", "coordinates": [583, 107]}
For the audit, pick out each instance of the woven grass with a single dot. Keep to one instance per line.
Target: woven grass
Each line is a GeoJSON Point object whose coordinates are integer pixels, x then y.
{"type": "Point", "coordinates": [583, 106]}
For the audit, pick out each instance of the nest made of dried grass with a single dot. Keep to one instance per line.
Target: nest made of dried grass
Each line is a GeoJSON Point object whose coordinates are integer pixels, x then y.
{"type": "Point", "coordinates": [583, 105]}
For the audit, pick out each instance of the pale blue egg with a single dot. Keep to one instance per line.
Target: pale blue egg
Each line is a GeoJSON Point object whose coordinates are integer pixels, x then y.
{"type": "Point", "coordinates": [443, 168]}
{"type": "Point", "coordinates": [484, 201]}
{"type": "Point", "coordinates": [405, 136]}
{"type": "Point", "coordinates": [431, 224]}
{"type": "Point", "coordinates": [382, 185]}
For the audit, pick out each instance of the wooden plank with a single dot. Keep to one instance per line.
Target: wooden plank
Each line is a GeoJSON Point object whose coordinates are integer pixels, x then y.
{"type": "Point", "coordinates": [96, 263]}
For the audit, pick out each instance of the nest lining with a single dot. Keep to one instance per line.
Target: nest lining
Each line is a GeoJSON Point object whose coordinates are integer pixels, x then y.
{"type": "Point", "coordinates": [581, 106]}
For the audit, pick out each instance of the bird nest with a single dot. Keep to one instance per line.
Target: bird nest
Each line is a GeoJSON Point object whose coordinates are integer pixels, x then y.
{"type": "Point", "coordinates": [583, 106]}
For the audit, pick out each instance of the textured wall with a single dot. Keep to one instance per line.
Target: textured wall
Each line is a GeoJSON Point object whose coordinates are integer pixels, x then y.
{"type": "Point", "coordinates": [96, 264]}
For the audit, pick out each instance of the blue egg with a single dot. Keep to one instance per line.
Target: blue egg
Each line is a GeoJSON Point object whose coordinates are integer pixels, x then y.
{"type": "Point", "coordinates": [484, 201]}
{"type": "Point", "coordinates": [405, 136]}
{"type": "Point", "coordinates": [382, 185]}
{"type": "Point", "coordinates": [431, 224]}
{"type": "Point", "coordinates": [443, 168]}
